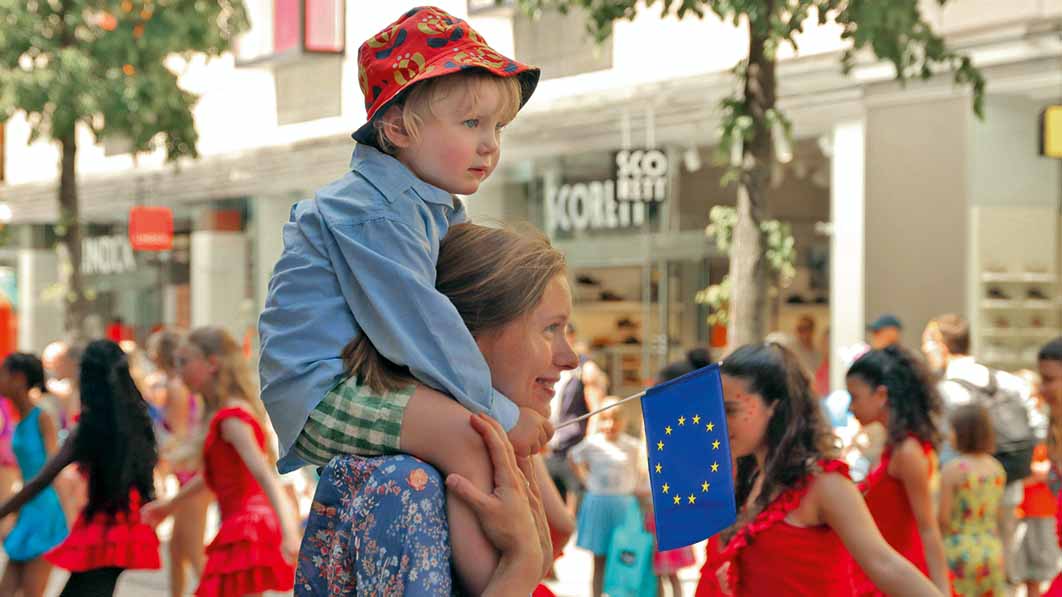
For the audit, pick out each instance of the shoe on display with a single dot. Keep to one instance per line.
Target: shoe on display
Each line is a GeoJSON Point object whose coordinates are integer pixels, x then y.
{"type": "Point", "coordinates": [1036, 294]}
{"type": "Point", "coordinates": [587, 280]}
{"type": "Point", "coordinates": [1001, 323]}
{"type": "Point", "coordinates": [608, 295]}
{"type": "Point", "coordinates": [997, 293]}
{"type": "Point", "coordinates": [1036, 322]}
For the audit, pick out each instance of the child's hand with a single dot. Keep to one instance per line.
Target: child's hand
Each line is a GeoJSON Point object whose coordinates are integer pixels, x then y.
{"type": "Point", "coordinates": [155, 512]}
{"type": "Point", "coordinates": [531, 433]}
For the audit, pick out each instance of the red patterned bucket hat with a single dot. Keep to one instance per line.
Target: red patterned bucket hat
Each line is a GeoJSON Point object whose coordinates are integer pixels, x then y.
{"type": "Point", "coordinates": [423, 43]}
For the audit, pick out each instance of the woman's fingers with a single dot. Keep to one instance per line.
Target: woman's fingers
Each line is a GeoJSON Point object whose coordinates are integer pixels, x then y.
{"type": "Point", "coordinates": [500, 451]}
{"type": "Point", "coordinates": [469, 493]}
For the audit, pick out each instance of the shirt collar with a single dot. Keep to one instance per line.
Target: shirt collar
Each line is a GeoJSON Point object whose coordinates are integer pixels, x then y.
{"type": "Point", "coordinates": [392, 178]}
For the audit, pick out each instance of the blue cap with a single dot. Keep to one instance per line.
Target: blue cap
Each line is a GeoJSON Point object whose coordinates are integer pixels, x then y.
{"type": "Point", "coordinates": [885, 321]}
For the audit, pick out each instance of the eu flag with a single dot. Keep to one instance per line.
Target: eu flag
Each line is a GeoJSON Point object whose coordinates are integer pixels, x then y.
{"type": "Point", "coordinates": [689, 458]}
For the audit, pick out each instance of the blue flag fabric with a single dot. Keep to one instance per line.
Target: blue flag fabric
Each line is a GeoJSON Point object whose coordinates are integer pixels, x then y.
{"type": "Point", "coordinates": [689, 458]}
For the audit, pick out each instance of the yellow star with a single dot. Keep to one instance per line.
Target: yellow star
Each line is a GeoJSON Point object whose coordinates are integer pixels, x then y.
{"type": "Point", "coordinates": [705, 486]}
{"type": "Point", "coordinates": [693, 499]}
{"type": "Point", "coordinates": [678, 500]}
{"type": "Point", "coordinates": [659, 446]}
{"type": "Point", "coordinates": [666, 488]}
{"type": "Point", "coordinates": [710, 426]}
{"type": "Point", "coordinates": [667, 430]}
{"type": "Point", "coordinates": [715, 467]}
{"type": "Point", "coordinates": [696, 419]}
{"type": "Point", "coordinates": [659, 467]}
{"type": "Point", "coordinates": [715, 445]}
{"type": "Point", "coordinates": [682, 420]}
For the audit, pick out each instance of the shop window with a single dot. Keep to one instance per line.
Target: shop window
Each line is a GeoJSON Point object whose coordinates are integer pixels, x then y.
{"type": "Point", "coordinates": [559, 43]}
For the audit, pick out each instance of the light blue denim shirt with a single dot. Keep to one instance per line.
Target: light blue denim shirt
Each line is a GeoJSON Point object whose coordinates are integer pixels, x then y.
{"type": "Point", "coordinates": [360, 258]}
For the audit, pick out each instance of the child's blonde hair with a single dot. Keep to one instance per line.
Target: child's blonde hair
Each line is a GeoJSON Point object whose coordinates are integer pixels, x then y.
{"type": "Point", "coordinates": [421, 97]}
{"type": "Point", "coordinates": [234, 374]}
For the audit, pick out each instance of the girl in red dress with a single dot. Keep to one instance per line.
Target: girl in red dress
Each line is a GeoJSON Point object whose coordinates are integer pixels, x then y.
{"type": "Point", "coordinates": [257, 543]}
{"type": "Point", "coordinates": [892, 387]}
{"type": "Point", "coordinates": [114, 447]}
{"type": "Point", "coordinates": [800, 514]}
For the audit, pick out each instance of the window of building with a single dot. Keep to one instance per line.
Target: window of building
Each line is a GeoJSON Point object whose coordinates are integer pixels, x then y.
{"type": "Point", "coordinates": [287, 28]}
{"type": "Point", "coordinates": [559, 44]}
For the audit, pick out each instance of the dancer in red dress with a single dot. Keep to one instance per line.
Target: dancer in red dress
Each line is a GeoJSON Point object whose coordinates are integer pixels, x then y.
{"type": "Point", "coordinates": [257, 543]}
{"type": "Point", "coordinates": [801, 516]}
{"type": "Point", "coordinates": [114, 447]}
{"type": "Point", "coordinates": [892, 387]}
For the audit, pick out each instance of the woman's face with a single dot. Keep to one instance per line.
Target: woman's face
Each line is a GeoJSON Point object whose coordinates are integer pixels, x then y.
{"type": "Point", "coordinates": [747, 415]}
{"type": "Point", "coordinates": [196, 371]}
{"type": "Point", "coordinates": [527, 355]}
{"type": "Point", "coordinates": [868, 403]}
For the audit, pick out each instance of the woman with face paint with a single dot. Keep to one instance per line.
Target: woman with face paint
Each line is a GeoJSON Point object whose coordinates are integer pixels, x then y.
{"type": "Point", "coordinates": [800, 514]}
{"type": "Point", "coordinates": [890, 386]}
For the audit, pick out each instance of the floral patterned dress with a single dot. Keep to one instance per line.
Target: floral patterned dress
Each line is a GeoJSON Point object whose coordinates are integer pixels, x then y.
{"type": "Point", "coordinates": [972, 546]}
{"type": "Point", "coordinates": [377, 527]}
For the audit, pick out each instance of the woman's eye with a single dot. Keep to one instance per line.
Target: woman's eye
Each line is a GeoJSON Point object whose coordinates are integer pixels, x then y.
{"type": "Point", "coordinates": [471, 123]}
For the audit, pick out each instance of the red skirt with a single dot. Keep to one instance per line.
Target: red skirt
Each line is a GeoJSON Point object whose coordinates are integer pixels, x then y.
{"type": "Point", "coordinates": [245, 557]}
{"type": "Point", "coordinates": [120, 541]}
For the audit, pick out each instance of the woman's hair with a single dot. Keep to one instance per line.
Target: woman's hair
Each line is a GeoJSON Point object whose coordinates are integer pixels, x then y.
{"type": "Point", "coordinates": [233, 378]}
{"type": "Point", "coordinates": [115, 443]}
{"type": "Point", "coordinates": [491, 275]}
{"type": "Point", "coordinates": [973, 430]}
{"type": "Point", "coordinates": [1052, 351]}
{"type": "Point", "coordinates": [163, 344]}
{"type": "Point", "coordinates": [797, 435]}
{"type": "Point", "coordinates": [29, 366]}
{"type": "Point", "coordinates": [914, 402]}
{"type": "Point", "coordinates": [418, 103]}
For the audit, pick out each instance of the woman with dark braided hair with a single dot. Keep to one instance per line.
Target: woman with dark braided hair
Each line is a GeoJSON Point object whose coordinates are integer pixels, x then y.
{"type": "Point", "coordinates": [801, 516]}
{"type": "Point", "coordinates": [114, 446]}
{"type": "Point", "coordinates": [892, 387]}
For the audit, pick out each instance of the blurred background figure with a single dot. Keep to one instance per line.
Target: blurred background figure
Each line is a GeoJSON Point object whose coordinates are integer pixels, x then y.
{"type": "Point", "coordinates": [884, 331]}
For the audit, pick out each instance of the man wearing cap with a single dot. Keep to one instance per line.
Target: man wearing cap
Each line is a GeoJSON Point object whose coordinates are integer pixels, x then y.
{"type": "Point", "coordinates": [884, 332]}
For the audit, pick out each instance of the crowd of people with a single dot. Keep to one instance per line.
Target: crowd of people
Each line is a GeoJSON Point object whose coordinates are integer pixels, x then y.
{"type": "Point", "coordinates": [425, 367]}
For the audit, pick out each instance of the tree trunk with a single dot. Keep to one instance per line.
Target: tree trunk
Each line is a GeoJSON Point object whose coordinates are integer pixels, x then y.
{"type": "Point", "coordinates": [748, 275]}
{"type": "Point", "coordinates": [70, 224]}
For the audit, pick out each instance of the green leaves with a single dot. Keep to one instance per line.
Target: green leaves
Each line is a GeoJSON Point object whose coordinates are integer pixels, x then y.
{"type": "Point", "coordinates": [102, 63]}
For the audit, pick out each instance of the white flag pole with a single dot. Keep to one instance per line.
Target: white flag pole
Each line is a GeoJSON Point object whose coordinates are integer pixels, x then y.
{"type": "Point", "coordinates": [600, 410]}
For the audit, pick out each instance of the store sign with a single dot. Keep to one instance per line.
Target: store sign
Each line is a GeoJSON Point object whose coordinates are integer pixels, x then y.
{"type": "Point", "coordinates": [107, 255]}
{"type": "Point", "coordinates": [151, 228]}
{"type": "Point", "coordinates": [640, 179]}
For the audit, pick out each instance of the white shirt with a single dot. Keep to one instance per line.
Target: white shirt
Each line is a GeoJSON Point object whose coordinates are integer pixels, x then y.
{"type": "Point", "coordinates": [613, 466]}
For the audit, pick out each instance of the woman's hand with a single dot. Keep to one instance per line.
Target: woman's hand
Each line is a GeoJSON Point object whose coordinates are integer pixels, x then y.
{"type": "Point", "coordinates": [510, 516]}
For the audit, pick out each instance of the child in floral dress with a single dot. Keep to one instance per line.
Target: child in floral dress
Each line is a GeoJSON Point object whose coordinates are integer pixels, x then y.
{"type": "Point", "coordinates": [970, 493]}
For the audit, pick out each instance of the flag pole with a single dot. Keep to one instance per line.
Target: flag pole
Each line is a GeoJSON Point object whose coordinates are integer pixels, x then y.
{"type": "Point", "coordinates": [600, 410]}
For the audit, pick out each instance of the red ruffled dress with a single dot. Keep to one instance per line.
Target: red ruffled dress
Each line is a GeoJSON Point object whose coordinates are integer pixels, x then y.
{"type": "Point", "coordinates": [888, 504]}
{"type": "Point", "coordinates": [119, 541]}
{"type": "Point", "coordinates": [245, 555]}
{"type": "Point", "coordinates": [769, 556]}
{"type": "Point", "coordinates": [1055, 590]}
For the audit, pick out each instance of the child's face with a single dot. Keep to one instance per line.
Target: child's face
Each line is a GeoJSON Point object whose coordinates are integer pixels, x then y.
{"type": "Point", "coordinates": [459, 145]}
{"type": "Point", "coordinates": [611, 423]}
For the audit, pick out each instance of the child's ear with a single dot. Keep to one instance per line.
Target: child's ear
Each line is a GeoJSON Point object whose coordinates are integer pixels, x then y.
{"type": "Point", "coordinates": [394, 129]}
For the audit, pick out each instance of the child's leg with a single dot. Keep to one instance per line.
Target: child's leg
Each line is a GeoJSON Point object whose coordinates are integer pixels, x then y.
{"type": "Point", "coordinates": [676, 586]}
{"type": "Point", "coordinates": [35, 575]}
{"type": "Point", "coordinates": [435, 428]}
{"type": "Point", "coordinates": [9, 582]}
{"type": "Point", "coordinates": [1032, 588]}
{"type": "Point", "coordinates": [599, 575]}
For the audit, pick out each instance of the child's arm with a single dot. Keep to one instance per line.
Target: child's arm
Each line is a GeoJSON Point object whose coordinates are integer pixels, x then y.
{"type": "Point", "coordinates": [155, 512]}
{"type": "Point", "coordinates": [58, 461]}
{"type": "Point", "coordinates": [241, 436]}
{"type": "Point", "coordinates": [387, 273]}
{"type": "Point", "coordinates": [947, 494]}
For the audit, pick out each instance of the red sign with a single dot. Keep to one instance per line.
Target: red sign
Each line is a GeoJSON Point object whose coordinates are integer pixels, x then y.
{"type": "Point", "coordinates": [151, 228]}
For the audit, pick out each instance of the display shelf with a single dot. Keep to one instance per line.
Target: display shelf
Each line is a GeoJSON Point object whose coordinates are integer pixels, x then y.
{"type": "Point", "coordinates": [1019, 278]}
{"type": "Point", "coordinates": [1019, 305]}
{"type": "Point", "coordinates": [1044, 332]}
{"type": "Point", "coordinates": [635, 307]}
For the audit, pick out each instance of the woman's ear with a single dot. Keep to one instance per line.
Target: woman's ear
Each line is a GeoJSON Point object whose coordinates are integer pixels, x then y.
{"type": "Point", "coordinates": [394, 129]}
{"type": "Point", "coordinates": [881, 396]}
